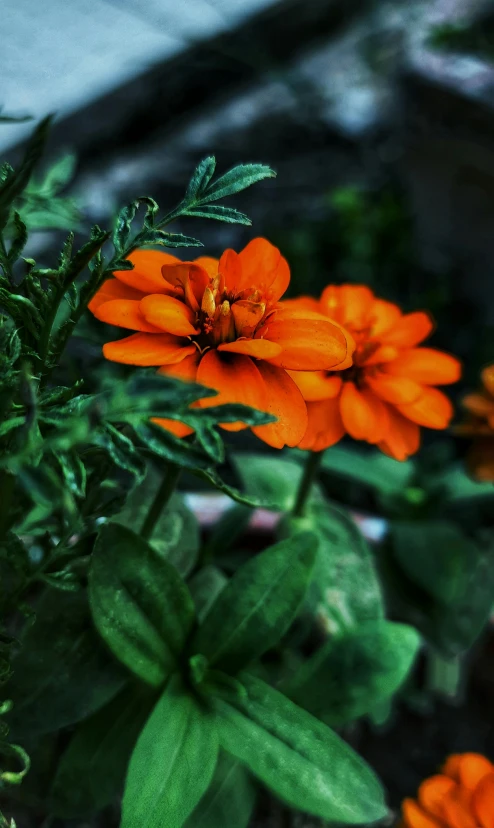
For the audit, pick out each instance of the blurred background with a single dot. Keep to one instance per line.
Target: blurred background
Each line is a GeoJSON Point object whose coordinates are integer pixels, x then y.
{"type": "Point", "coordinates": [378, 117]}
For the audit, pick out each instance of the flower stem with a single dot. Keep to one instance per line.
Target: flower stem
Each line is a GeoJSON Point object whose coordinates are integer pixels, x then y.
{"type": "Point", "coordinates": [161, 499]}
{"type": "Point", "coordinates": [312, 465]}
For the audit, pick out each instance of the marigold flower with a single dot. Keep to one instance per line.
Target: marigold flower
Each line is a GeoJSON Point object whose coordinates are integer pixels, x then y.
{"type": "Point", "coordinates": [220, 323]}
{"type": "Point", "coordinates": [461, 796]}
{"type": "Point", "coordinates": [389, 391]}
{"type": "Point", "coordinates": [480, 426]}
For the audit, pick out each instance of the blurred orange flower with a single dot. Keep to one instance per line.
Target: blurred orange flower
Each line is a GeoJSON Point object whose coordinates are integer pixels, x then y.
{"type": "Point", "coordinates": [220, 323]}
{"type": "Point", "coordinates": [389, 391]}
{"type": "Point", "coordinates": [461, 796]}
{"type": "Point", "coordinates": [480, 426]}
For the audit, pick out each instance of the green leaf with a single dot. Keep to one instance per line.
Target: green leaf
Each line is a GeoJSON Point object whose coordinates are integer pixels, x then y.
{"type": "Point", "coordinates": [19, 240]}
{"type": "Point", "coordinates": [154, 236]}
{"type": "Point", "coordinates": [215, 211]}
{"type": "Point", "coordinates": [273, 482]}
{"type": "Point", "coordinates": [229, 801]}
{"type": "Point", "coordinates": [352, 674]}
{"type": "Point", "coordinates": [372, 469]}
{"type": "Point", "coordinates": [15, 182]}
{"type": "Point", "coordinates": [205, 586]}
{"type": "Point", "coordinates": [226, 531]}
{"type": "Point", "coordinates": [237, 179]}
{"type": "Point", "coordinates": [121, 450]}
{"type": "Point", "coordinates": [177, 534]}
{"type": "Point", "coordinates": [299, 758]}
{"type": "Point", "coordinates": [62, 673]}
{"type": "Point", "coordinates": [345, 589]}
{"type": "Point", "coordinates": [258, 605]}
{"type": "Point", "coordinates": [201, 177]}
{"type": "Point", "coordinates": [123, 225]}
{"type": "Point", "coordinates": [74, 472]}
{"type": "Point", "coordinates": [140, 605]}
{"type": "Point", "coordinates": [435, 555]}
{"type": "Point", "coordinates": [172, 764]}
{"type": "Point", "coordinates": [58, 175]}
{"type": "Point", "coordinates": [164, 444]}
{"type": "Point", "coordinates": [212, 477]}
{"type": "Point", "coordinates": [91, 771]}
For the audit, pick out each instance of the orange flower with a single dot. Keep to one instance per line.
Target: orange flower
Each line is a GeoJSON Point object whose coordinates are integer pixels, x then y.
{"type": "Point", "coordinates": [461, 796]}
{"type": "Point", "coordinates": [389, 391]}
{"type": "Point", "coordinates": [221, 324]}
{"type": "Point", "coordinates": [480, 425]}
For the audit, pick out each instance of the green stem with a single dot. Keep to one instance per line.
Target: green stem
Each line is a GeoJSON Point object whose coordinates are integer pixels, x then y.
{"type": "Point", "coordinates": [311, 470]}
{"type": "Point", "coordinates": [161, 499]}
{"type": "Point", "coordinates": [443, 675]}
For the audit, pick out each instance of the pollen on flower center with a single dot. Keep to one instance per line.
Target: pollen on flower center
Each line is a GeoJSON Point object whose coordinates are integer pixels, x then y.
{"type": "Point", "coordinates": [225, 317]}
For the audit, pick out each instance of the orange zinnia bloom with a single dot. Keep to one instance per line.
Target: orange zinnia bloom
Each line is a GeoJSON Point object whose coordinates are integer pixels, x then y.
{"type": "Point", "coordinates": [388, 392]}
{"type": "Point", "coordinates": [480, 425]}
{"type": "Point", "coordinates": [220, 324]}
{"type": "Point", "coordinates": [461, 796]}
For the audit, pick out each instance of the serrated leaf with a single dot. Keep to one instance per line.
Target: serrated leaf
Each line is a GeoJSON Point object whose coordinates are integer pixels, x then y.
{"type": "Point", "coordinates": [152, 236]}
{"type": "Point", "coordinates": [15, 181]}
{"type": "Point", "coordinates": [91, 771]}
{"type": "Point", "coordinates": [351, 675]}
{"type": "Point", "coordinates": [140, 605]}
{"type": "Point", "coordinates": [216, 211]}
{"type": "Point", "coordinates": [274, 483]}
{"type": "Point", "coordinates": [212, 477]}
{"type": "Point", "coordinates": [257, 606]}
{"type": "Point", "coordinates": [123, 225]}
{"type": "Point", "coordinates": [299, 758]}
{"type": "Point", "coordinates": [172, 764]}
{"type": "Point", "coordinates": [74, 472]}
{"type": "Point", "coordinates": [19, 239]}
{"type": "Point", "coordinates": [200, 178]}
{"type": "Point", "coordinates": [236, 180]}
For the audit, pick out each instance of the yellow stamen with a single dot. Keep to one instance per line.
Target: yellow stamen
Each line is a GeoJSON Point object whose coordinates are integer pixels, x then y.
{"type": "Point", "coordinates": [208, 305]}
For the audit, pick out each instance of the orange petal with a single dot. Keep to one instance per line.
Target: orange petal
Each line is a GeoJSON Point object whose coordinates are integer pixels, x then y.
{"type": "Point", "coordinates": [483, 802]}
{"type": "Point", "coordinates": [263, 267]}
{"type": "Point", "coordinates": [425, 365]}
{"type": "Point", "coordinates": [376, 356]}
{"type": "Point", "coordinates": [236, 378]}
{"type": "Point", "coordinates": [432, 409]}
{"type": "Point", "coordinates": [431, 793]}
{"type": "Point", "coordinates": [169, 314]}
{"type": "Point", "coordinates": [393, 389]}
{"type": "Point", "coordinates": [247, 316]}
{"type": "Point", "coordinates": [308, 344]}
{"type": "Point", "coordinates": [402, 437]}
{"type": "Point", "coordinates": [190, 277]}
{"type": "Point", "coordinates": [147, 276]}
{"type": "Point", "coordinates": [383, 315]}
{"type": "Point", "coordinates": [410, 329]}
{"type": "Point", "coordinates": [125, 313]}
{"type": "Point", "coordinates": [363, 416]}
{"type": "Point", "coordinates": [257, 348]}
{"type": "Point", "coordinates": [478, 404]}
{"type": "Point", "coordinates": [415, 817]}
{"type": "Point", "coordinates": [208, 264]}
{"type": "Point", "coordinates": [325, 426]}
{"type": "Point", "coordinates": [488, 379]}
{"type": "Point", "coordinates": [112, 289]}
{"type": "Point", "coordinates": [185, 370]}
{"type": "Point", "coordinates": [317, 385]}
{"type": "Point", "coordinates": [457, 808]}
{"type": "Point", "coordinates": [174, 426]}
{"type": "Point", "coordinates": [285, 402]}
{"type": "Point", "coordinates": [148, 349]}
{"type": "Point", "coordinates": [303, 303]}
{"type": "Point", "coordinates": [451, 766]}
{"type": "Point", "coordinates": [356, 302]}
{"type": "Point", "coordinates": [473, 768]}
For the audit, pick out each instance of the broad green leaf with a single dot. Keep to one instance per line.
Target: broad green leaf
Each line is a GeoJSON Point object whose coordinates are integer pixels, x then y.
{"type": "Point", "coordinates": [304, 762]}
{"type": "Point", "coordinates": [173, 762]}
{"type": "Point", "coordinates": [91, 771]}
{"type": "Point", "coordinates": [350, 675]}
{"type": "Point", "coordinates": [140, 605]}
{"type": "Point", "coordinates": [205, 586]}
{"type": "Point", "coordinates": [229, 801]}
{"type": "Point", "coordinates": [237, 179]}
{"type": "Point", "coordinates": [258, 605]}
{"type": "Point", "coordinates": [177, 534]}
{"type": "Point", "coordinates": [435, 555]}
{"type": "Point", "coordinates": [344, 590]}
{"type": "Point", "coordinates": [372, 469]}
{"type": "Point", "coordinates": [62, 673]}
{"type": "Point", "coordinates": [273, 481]}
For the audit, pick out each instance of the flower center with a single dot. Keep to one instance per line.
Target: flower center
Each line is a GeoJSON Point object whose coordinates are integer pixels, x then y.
{"type": "Point", "coordinates": [224, 316]}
